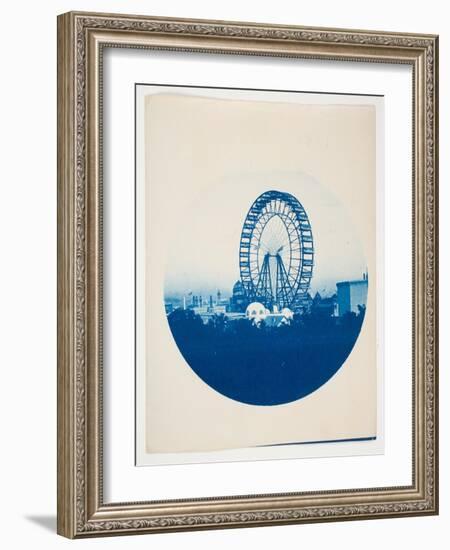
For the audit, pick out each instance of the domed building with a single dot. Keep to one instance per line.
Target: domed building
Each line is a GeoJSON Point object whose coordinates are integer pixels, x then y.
{"type": "Point", "coordinates": [256, 312]}
{"type": "Point", "coordinates": [238, 300]}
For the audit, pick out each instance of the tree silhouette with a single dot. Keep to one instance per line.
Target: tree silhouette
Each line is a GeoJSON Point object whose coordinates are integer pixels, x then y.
{"type": "Point", "coordinates": [262, 364]}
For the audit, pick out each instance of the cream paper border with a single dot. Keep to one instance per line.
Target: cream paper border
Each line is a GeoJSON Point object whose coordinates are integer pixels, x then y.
{"type": "Point", "coordinates": [162, 416]}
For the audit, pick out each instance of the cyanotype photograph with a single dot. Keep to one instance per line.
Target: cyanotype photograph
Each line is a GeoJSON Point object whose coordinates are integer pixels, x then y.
{"type": "Point", "coordinates": [258, 279]}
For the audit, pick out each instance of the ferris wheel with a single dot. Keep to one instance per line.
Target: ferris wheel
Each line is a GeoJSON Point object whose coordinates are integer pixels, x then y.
{"type": "Point", "coordinates": [276, 253]}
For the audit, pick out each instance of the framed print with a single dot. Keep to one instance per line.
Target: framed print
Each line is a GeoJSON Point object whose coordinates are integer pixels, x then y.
{"type": "Point", "coordinates": [247, 288]}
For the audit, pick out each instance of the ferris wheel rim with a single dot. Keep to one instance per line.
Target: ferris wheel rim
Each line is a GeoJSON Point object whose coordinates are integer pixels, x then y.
{"type": "Point", "coordinates": [295, 220]}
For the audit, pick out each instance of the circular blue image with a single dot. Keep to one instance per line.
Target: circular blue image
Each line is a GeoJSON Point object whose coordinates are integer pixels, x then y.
{"type": "Point", "coordinates": [284, 328]}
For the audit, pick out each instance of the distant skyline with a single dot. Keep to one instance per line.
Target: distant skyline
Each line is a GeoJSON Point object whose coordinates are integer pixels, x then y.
{"type": "Point", "coordinates": [205, 256]}
{"type": "Point", "coordinates": [326, 289]}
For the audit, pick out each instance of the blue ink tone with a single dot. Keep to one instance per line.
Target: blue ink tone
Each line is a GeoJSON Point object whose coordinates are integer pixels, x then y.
{"type": "Point", "coordinates": [271, 342]}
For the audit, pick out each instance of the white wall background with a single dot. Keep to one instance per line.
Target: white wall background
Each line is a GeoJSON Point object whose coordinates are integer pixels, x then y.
{"type": "Point", "coordinates": [28, 273]}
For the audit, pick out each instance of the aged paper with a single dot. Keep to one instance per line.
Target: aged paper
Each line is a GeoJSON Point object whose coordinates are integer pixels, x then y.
{"type": "Point", "coordinates": [206, 160]}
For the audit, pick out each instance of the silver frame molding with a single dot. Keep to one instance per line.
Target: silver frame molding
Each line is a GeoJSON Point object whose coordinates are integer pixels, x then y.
{"type": "Point", "coordinates": [81, 39]}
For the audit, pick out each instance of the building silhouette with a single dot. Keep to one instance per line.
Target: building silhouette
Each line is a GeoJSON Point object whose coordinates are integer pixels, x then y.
{"type": "Point", "coordinates": [351, 294]}
{"type": "Point", "coordinates": [324, 307]}
{"type": "Point", "coordinates": [238, 300]}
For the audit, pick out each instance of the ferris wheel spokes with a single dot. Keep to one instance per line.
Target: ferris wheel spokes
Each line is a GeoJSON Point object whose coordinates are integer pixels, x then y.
{"type": "Point", "coordinates": [276, 251]}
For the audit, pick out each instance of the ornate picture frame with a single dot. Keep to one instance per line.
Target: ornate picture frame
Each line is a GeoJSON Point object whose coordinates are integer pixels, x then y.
{"type": "Point", "coordinates": [82, 40]}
